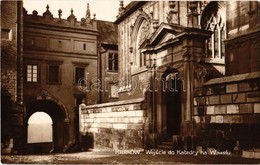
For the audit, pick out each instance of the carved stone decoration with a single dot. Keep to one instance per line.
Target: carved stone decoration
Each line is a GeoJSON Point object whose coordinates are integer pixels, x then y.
{"type": "Point", "coordinates": [169, 17]}
{"type": "Point", "coordinates": [200, 73]}
{"type": "Point", "coordinates": [144, 32]}
{"type": "Point", "coordinates": [172, 15]}
{"type": "Point", "coordinates": [172, 4]}
{"type": "Point", "coordinates": [121, 9]}
{"type": "Point", "coordinates": [47, 14]}
{"type": "Point", "coordinates": [88, 20]}
{"type": "Point", "coordinates": [35, 13]}
{"type": "Point", "coordinates": [72, 19]}
{"type": "Point", "coordinates": [60, 14]}
{"type": "Point", "coordinates": [43, 95]}
{"type": "Point", "coordinates": [83, 22]}
{"type": "Point", "coordinates": [155, 24]}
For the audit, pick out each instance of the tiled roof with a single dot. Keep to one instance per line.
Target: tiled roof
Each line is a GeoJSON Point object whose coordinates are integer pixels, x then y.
{"type": "Point", "coordinates": [108, 32]}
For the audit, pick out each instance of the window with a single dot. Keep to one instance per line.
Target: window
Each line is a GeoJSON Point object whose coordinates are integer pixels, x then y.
{"type": "Point", "coordinates": [114, 88]}
{"type": "Point", "coordinates": [32, 73]}
{"type": "Point", "coordinates": [84, 46]}
{"type": "Point", "coordinates": [143, 33]}
{"type": "Point", "coordinates": [6, 34]}
{"type": "Point", "coordinates": [54, 74]}
{"type": "Point", "coordinates": [79, 74]}
{"type": "Point", "coordinates": [214, 19]}
{"type": "Point", "coordinates": [113, 62]}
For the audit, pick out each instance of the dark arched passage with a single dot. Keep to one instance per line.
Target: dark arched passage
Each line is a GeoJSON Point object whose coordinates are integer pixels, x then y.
{"type": "Point", "coordinates": [57, 115]}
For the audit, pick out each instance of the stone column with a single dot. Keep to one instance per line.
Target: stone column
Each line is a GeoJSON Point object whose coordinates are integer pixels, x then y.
{"type": "Point", "coordinates": [193, 52]}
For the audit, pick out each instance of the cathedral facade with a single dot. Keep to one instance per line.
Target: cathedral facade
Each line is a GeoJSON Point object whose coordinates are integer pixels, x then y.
{"type": "Point", "coordinates": [189, 74]}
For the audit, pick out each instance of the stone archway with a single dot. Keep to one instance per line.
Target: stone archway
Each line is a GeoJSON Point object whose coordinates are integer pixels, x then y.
{"type": "Point", "coordinates": [58, 116]}
{"type": "Point", "coordinates": [40, 132]}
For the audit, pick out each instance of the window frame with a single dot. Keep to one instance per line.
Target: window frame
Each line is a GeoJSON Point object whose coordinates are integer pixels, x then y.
{"type": "Point", "coordinates": [37, 74]}
{"type": "Point", "coordinates": [114, 62]}
{"type": "Point", "coordinates": [59, 73]}
{"type": "Point", "coordinates": [79, 65]}
{"type": "Point", "coordinates": [75, 82]}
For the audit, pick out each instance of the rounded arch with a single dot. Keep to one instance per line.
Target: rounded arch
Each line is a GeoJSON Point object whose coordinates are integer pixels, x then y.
{"type": "Point", "coordinates": [139, 20]}
{"type": "Point", "coordinates": [44, 95]}
{"type": "Point", "coordinates": [40, 117]}
{"type": "Point", "coordinates": [141, 31]}
{"type": "Point", "coordinates": [47, 106]}
{"type": "Point", "coordinates": [40, 121]}
{"type": "Point", "coordinates": [58, 116]}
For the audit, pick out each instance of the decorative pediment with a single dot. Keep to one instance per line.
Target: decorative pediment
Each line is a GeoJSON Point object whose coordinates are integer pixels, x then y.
{"type": "Point", "coordinates": [164, 33]}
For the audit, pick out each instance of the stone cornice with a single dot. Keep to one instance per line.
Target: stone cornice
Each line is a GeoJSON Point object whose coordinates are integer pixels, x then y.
{"type": "Point", "coordinates": [234, 78]}
{"type": "Point", "coordinates": [59, 28]}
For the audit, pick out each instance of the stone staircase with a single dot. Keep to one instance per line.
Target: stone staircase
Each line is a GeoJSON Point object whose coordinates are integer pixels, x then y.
{"type": "Point", "coordinates": [166, 145]}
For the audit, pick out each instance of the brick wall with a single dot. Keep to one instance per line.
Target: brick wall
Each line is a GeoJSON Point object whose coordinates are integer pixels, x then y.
{"type": "Point", "coordinates": [229, 106]}
{"type": "Point", "coordinates": [117, 125]}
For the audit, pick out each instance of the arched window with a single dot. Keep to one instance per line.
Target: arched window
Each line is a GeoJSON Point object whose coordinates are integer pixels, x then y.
{"type": "Point", "coordinates": [39, 128]}
{"type": "Point", "coordinates": [141, 30]}
{"type": "Point", "coordinates": [142, 35]}
{"type": "Point", "coordinates": [214, 19]}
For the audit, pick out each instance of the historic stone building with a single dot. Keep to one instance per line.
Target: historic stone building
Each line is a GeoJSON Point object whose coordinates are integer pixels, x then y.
{"type": "Point", "coordinates": [49, 66]}
{"type": "Point", "coordinates": [11, 82]}
{"type": "Point", "coordinates": [189, 71]}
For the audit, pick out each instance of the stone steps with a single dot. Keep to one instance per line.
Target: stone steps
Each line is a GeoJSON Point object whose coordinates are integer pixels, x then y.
{"type": "Point", "coordinates": [167, 144]}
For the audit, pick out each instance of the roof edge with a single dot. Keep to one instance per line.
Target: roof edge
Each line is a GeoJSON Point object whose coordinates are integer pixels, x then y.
{"type": "Point", "coordinates": [130, 8]}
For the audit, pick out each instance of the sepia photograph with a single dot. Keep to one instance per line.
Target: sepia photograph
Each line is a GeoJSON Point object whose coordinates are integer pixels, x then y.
{"type": "Point", "coordinates": [130, 82]}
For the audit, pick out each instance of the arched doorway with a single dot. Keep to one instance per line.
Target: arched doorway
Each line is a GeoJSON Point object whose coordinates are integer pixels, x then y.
{"type": "Point", "coordinates": [57, 115]}
{"type": "Point", "coordinates": [172, 100]}
{"type": "Point", "coordinates": [40, 132]}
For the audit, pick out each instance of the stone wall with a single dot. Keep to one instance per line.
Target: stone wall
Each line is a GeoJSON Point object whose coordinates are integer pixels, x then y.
{"type": "Point", "coordinates": [116, 125]}
{"type": "Point", "coordinates": [228, 109]}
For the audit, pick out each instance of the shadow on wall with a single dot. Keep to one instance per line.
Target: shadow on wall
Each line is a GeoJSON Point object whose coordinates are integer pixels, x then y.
{"type": "Point", "coordinates": [225, 136]}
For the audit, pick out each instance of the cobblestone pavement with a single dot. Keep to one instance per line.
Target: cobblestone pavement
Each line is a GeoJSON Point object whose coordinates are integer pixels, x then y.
{"type": "Point", "coordinates": [112, 158]}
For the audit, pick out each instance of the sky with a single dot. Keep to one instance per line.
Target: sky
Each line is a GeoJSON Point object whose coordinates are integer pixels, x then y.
{"type": "Point", "coordinates": [104, 9]}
